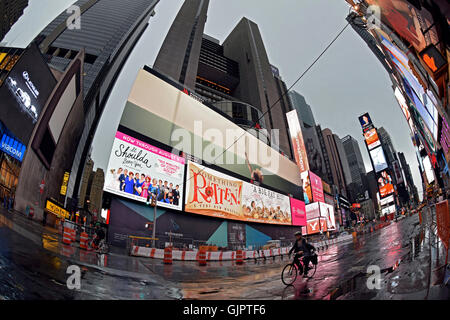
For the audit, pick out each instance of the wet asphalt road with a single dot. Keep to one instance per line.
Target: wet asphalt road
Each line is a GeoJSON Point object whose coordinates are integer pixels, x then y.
{"type": "Point", "coordinates": [34, 267]}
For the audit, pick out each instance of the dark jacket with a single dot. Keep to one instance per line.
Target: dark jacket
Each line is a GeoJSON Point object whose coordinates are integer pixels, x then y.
{"type": "Point", "coordinates": [302, 246]}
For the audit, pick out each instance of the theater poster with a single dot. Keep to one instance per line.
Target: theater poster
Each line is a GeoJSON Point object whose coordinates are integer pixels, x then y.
{"type": "Point", "coordinates": [136, 168]}
{"type": "Point", "coordinates": [215, 194]}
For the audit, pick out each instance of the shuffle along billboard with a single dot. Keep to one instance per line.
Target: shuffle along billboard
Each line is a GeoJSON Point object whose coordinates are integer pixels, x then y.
{"type": "Point", "coordinates": [211, 193]}
{"type": "Point", "coordinates": [137, 168]}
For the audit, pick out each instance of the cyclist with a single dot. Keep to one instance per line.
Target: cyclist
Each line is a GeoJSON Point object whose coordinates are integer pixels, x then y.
{"type": "Point", "coordinates": [99, 235]}
{"type": "Point", "coordinates": [302, 248]}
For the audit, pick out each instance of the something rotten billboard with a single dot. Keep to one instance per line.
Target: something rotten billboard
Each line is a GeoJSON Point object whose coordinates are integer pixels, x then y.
{"type": "Point", "coordinates": [137, 169]}
{"type": "Point", "coordinates": [212, 193]}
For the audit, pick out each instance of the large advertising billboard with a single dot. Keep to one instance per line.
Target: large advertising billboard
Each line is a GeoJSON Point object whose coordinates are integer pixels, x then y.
{"type": "Point", "coordinates": [312, 187]}
{"type": "Point", "coordinates": [298, 144]}
{"type": "Point", "coordinates": [298, 212]}
{"type": "Point", "coordinates": [385, 184]}
{"type": "Point", "coordinates": [327, 212]}
{"type": "Point", "coordinates": [372, 140]}
{"type": "Point", "coordinates": [397, 172]}
{"type": "Point", "coordinates": [366, 122]}
{"type": "Point", "coordinates": [158, 108]}
{"type": "Point", "coordinates": [378, 159]}
{"type": "Point", "coordinates": [137, 169]}
{"type": "Point", "coordinates": [24, 93]}
{"type": "Point", "coordinates": [215, 194]}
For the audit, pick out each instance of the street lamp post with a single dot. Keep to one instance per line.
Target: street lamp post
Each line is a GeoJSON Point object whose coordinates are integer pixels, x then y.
{"type": "Point", "coordinates": [152, 202]}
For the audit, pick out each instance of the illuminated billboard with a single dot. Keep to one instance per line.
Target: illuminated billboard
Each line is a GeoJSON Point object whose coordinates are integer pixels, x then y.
{"type": "Point", "coordinates": [312, 187]}
{"type": "Point", "coordinates": [159, 108]}
{"type": "Point", "coordinates": [298, 144]}
{"type": "Point", "coordinates": [366, 122]}
{"type": "Point", "coordinates": [312, 211]}
{"type": "Point", "coordinates": [12, 147]}
{"type": "Point", "coordinates": [385, 184]}
{"type": "Point", "coordinates": [137, 169]}
{"type": "Point", "coordinates": [428, 168]}
{"type": "Point", "coordinates": [298, 212]}
{"type": "Point", "coordinates": [378, 159]}
{"type": "Point", "coordinates": [372, 139]}
{"type": "Point", "coordinates": [327, 212]}
{"type": "Point", "coordinates": [215, 194]}
{"type": "Point", "coordinates": [24, 92]}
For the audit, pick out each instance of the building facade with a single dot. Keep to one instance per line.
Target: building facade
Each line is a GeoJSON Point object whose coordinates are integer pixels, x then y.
{"type": "Point", "coordinates": [121, 24]}
{"type": "Point", "coordinates": [237, 70]}
{"type": "Point", "coordinates": [11, 11]}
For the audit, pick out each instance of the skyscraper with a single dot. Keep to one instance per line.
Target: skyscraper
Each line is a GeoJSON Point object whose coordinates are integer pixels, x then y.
{"type": "Point", "coordinates": [237, 70]}
{"type": "Point", "coordinates": [10, 12]}
{"type": "Point", "coordinates": [109, 31]}
{"type": "Point", "coordinates": [388, 146]}
{"type": "Point", "coordinates": [356, 166]}
{"type": "Point", "coordinates": [303, 109]}
{"type": "Point", "coordinates": [408, 177]}
{"type": "Point", "coordinates": [337, 170]}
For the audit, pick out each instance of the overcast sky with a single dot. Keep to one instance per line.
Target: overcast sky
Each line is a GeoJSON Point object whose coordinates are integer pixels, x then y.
{"type": "Point", "coordinates": [347, 82]}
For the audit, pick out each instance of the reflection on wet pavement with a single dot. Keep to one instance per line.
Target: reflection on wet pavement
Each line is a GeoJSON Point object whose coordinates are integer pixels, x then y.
{"type": "Point", "coordinates": [33, 266]}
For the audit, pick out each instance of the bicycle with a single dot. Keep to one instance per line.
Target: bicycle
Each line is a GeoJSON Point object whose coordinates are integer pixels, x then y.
{"type": "Point", "coordinates": [291, 271]}
{"type": "Point", "coordinates": [102, 247]}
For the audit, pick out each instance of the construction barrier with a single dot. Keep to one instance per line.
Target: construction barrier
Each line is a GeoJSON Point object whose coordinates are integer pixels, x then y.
{"type": "Point", "coordinates": [67, 236]}
{"type": "Point", "coordinates": [84, 239]}
{"type": "Point", "coordinates": [167, 255]}
{"type": "Point", "coordinates": [202, 258]}
{"type": "Point", "coordinates": [239, 257]}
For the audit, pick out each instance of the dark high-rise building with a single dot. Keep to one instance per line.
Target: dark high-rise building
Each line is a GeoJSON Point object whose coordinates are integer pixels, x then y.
{"type": "Point", "coordinates": [408, 177]}
{"type": "Point", "coordinates": [388, 146]}
{"type": "Point", "coordinates": [356, 166]}
{"type": "Point", "coordinates": [303, 109]}
{"type": "Point", "coordinates": [238, 70]}
{"type": "Point", "coordinates": [10, 12]}
{"type": "Point", "coordinates": [109, 31]}
{"type": "Point", "coordinates": [334, 155]}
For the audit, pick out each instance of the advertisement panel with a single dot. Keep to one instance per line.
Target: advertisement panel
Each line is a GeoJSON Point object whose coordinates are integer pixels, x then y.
{"type": "Point", "coordinates": [372, 140]}
{"type": "Point", "coordinates": [137, 169]}
{"type": "Point", "coordinates": [312, 211]}
{"type": "Point", "coordinates": [298, 212]}
{"type": "Point", "coordinates": [388, 210]}
{"type": "Point", "coordinates": [63, 190]}
{"type": "Point", "coordinates": [314, 151]}
{"type": "Point", "coordinates": [387, 200]}
{"type": "Point", "coordinates": [307, 190]}
{"type": "Point", "coordinates": [397, 172]}
{"type": "Point", "coordinates": [385, 184]}
{"type": "Point", "coordinates": [327, 212]}
{"type": "Point", "coordinates": [429, 172]}
{"type": "Point", "coordinates": [24, 93]}
{"type": "Point", "coordinates": [317, 188]}
{"type": "Point", "coordinates": [313, 226]}
{"type": "Point", "coordinates": [215, 194]}
{"type": "Point", "coordinates": [366, 122]}
{"type": "Point", "coordinates": [12, 147]}
{"type": "Point", "coordinates": [312, 187]}
{"type": "Point", "coordinates": [378, 159]}
{"type": "Point", "coordinates": [298, 144]}
{"type": "Point", "coordinates": [408, 21]}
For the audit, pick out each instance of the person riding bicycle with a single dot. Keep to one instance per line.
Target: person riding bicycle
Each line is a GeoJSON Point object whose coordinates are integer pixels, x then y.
{"type": "Point", "coordinates": [302, 248]}
{"type": "Point", "coordinates": [99, 235]}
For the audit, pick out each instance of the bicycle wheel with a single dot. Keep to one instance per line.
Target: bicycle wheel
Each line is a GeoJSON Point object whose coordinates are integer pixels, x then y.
{"type": "Point", "coordinates": [289, 274]}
